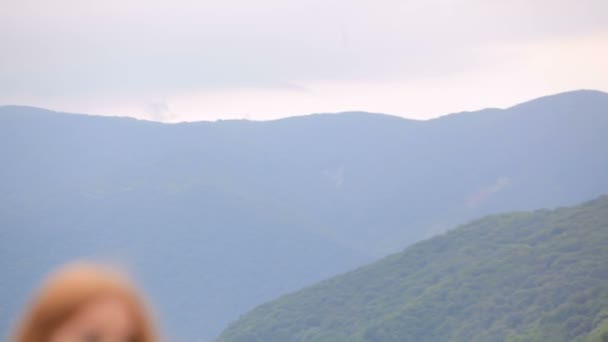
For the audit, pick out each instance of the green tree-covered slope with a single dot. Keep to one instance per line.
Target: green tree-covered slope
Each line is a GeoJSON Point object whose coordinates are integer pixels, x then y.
{"type": "Point", "coordinates": [599, 334]}
{"type": "Point", "coordinates": [525, 276]}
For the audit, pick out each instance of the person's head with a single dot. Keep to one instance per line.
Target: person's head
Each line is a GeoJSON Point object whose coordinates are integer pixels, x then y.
{"type": "Point", "coordinates": [85, 303]}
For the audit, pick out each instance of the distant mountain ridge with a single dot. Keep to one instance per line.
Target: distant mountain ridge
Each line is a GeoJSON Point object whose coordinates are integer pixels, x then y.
{"type": "Point", "coordinates": [555, 100]}
{"type": "Point", "coordinates": [526, 276]}
{"type": "Point", "coordinates": [217, 217]}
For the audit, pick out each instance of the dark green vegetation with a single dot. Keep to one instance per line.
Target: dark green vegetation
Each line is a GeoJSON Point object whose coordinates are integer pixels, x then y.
{"type": "Point", "coordinates": [600, 333]}
{"type": "Point", "coordinates": [527, 276]}
{"type": "Point", "coordinates": [215, 218]}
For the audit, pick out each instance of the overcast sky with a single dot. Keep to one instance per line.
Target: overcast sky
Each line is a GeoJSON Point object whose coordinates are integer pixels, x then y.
{"type": "Point", "coordinates": [204, 60]}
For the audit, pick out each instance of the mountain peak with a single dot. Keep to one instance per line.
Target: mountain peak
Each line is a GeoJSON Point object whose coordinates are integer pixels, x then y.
{"type": "Point", "coordinates": [568, 98]}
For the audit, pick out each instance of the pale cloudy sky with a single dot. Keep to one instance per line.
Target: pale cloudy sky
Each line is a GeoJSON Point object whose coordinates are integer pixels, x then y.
{"type": "Point", "coordinates": [176, 60]}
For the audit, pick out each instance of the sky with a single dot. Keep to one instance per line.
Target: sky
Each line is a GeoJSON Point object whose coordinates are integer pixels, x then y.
{"type": "Point", "coordinates": [182, 60]}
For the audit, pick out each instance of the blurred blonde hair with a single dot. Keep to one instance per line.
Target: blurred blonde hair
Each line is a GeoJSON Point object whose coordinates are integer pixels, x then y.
{"type": "Point", "coordinates": [68, 290]}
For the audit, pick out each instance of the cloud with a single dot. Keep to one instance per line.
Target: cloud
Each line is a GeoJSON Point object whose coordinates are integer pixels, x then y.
{"type": "Point", "coordinates": [158, 111]}
{"type": "Point", "coordinates": [336, 176]}
{"type": "Point", "coordinates": [64, 51]}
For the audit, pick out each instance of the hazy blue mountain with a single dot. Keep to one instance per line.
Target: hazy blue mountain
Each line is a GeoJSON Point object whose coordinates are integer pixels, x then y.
{"type": "Point", "coordinates": [217, 217]}
{"type": "Point", "coordinates": [526, 276]}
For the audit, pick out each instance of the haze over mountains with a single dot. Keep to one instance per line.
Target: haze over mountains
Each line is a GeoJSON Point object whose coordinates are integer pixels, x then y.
{"type": "Point", "coordinates": [215, 218]}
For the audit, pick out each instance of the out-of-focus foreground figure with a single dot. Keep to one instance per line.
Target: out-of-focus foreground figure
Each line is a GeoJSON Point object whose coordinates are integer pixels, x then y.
{"type": "Point", "coordinates": [86, 303]}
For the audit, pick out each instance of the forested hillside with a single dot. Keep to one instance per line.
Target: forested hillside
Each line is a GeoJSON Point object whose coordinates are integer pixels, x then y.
{"type": "Point", "coordinates": [525, 276]}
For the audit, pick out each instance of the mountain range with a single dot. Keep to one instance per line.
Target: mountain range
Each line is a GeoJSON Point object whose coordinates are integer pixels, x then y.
{"type": "Point", "coordinates": [215, 218]}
